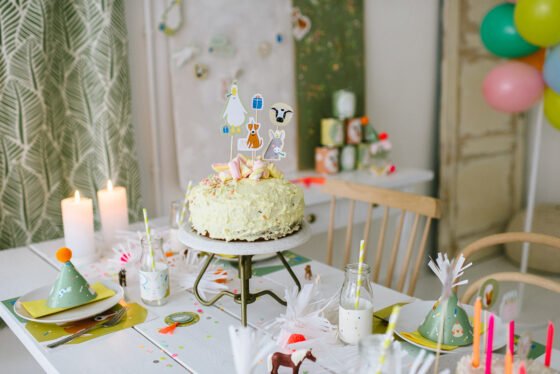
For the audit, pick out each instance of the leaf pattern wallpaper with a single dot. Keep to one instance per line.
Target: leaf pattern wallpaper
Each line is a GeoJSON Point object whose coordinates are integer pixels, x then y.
{"type": "Point", "coordinates": [65, 117]}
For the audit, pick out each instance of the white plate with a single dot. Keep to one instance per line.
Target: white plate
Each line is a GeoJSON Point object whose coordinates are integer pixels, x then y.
{"type": "Point", "coordinates": [202, 243]}
{"type": "Point", "coordinates": [256, 258]}
{"type": "Point", "coordinates": [70, 315]}
{"type": "Point", "coordinates": [412, 315]}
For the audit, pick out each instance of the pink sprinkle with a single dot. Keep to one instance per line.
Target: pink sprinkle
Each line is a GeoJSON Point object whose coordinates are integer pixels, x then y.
{"type": "Point", "coordinates": [199, 310]}
{"type": "Point", "coordinates": [174, 355]}
{"type": "Point", "coordinates": [235, 290]}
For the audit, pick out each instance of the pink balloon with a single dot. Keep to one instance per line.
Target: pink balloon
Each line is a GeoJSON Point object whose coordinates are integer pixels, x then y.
{"type": "Point", "coordinates": [513, 87]}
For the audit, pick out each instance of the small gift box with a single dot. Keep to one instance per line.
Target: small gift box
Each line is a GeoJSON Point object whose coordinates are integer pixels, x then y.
{"type": "Point", "coordinates": [257, 102]}
{"type": "Point", "coordinates": [332, 134]}
{"type": "Point", "coordinates": [354, 131]}
{"type": "Point", "coordinates": [326, 160]}
{"type": "Point", "coordinates": [348, 158]}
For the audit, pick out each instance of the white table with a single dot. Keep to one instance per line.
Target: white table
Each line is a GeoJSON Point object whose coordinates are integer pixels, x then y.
{"type": "Point", "coordinates": [200, 348]}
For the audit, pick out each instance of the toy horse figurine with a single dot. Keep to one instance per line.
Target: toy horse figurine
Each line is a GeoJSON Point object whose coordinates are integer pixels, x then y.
{"type": "Point", "coordinates": [293, 360]}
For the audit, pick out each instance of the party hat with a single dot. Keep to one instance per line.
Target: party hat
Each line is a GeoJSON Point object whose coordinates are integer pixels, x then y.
{"type": "Point", "coordinates": [70, 288]}
{"type": "Point", "coordinates": [457, 329]}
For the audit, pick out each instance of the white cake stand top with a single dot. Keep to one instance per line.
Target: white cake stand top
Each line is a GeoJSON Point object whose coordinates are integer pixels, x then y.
{"type": "Point", "coordinates": [202, 243]}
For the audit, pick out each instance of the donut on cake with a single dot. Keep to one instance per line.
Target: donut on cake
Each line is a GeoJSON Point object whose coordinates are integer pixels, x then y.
{"type": "Point", "coordinates": [246, 201]}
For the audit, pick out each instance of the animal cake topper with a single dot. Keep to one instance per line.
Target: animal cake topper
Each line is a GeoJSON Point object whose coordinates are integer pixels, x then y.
{"type": "Point", "coordinates": [280, 115]}
{"type": "Point", "coordinates": [275, 148]}
{"type": "Point", "coordinates": [234, 115]}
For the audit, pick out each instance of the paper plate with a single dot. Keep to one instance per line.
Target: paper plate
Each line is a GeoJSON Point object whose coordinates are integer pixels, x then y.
{"type": "Point", "coordinates": [70, 315]}
{"type": "Point", "coordinates": [412, 315]}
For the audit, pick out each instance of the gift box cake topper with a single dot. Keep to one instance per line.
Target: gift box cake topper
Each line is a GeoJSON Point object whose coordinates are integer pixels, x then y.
{"type": "Point", "coordinates": [70, 288]}
{"type": "Point", "coordinates": [447, 322]}
{"type": "Point", "coordinates": [280, 115]}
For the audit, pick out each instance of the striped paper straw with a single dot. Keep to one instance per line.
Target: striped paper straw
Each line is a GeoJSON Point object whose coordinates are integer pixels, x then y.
{"type": "Point", "coordinates": [388, 336]}
{"type": "Point", "coordinates": [149, 238]}
{"type": "Point", "coordinates": [185, 202]}
{"type": "Point", "coordinates": [360, 267]}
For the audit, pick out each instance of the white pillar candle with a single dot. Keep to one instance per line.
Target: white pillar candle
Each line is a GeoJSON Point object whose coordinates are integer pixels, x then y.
{"type": "Point", "coordinates": [113, 211]}
{"type": "Point", "coordinates": [77, 218]}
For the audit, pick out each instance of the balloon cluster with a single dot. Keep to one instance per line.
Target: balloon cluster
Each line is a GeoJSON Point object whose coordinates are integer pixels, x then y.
{"type": "Point", "coordinates": [521, 31]}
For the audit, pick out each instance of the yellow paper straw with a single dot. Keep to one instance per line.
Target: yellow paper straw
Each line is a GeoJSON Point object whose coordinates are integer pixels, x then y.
{"type": "Point", "coordinates": [360, 266]}
{"type": "Point", "coordinates": [185, 202]}
{"type": "Point", "coordinates": [388, 336]}
{"type": "Point", "coordinates": [149, 238]}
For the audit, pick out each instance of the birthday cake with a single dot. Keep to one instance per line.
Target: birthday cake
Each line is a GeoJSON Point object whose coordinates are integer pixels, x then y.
{"type": "Point", "coordinates": [464, 366]}
{"type": "Point", "coordinates": [246, 201]}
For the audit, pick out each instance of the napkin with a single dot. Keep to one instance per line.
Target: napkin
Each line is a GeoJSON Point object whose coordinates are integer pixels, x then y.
{"type": "Point", "coordinates": [419, 339]}
{"type": "Point", "coordinates": [39, 308]}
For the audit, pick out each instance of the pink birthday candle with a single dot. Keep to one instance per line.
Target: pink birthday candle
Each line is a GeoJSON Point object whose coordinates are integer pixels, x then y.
{"type": "Point", "coordinates": [489, 342]}
{"type": "Point", "coordinates": [549, 339]}
{"type": "Point", "coordinates": [522, 369]}
{"type": "Point", "coordinates": [511, 336]}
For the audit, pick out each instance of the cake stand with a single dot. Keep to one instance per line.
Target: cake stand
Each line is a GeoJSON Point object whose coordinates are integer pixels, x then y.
{"type": "Point", "coordinates": [245, 252]}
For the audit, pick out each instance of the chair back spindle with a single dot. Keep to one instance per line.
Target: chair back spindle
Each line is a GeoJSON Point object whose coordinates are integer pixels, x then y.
{"type": "Point", "coordinates": [423, 208]}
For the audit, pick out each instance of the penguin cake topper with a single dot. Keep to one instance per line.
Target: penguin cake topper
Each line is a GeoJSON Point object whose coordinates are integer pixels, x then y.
{"type": "Point", "coordinates": [70, 288]}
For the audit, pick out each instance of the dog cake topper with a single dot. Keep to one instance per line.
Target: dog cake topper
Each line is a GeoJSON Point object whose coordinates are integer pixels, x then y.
{"type": "Point", "coordinates": [253, 142]}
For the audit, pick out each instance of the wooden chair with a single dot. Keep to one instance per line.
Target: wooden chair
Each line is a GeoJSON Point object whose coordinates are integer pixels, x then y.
{"type": "Point", "coordinates": [510, 237]}
{"type": "Point", "coordinates": [421, 206]}
{"type": "Point", "coordinates": [525, 278]}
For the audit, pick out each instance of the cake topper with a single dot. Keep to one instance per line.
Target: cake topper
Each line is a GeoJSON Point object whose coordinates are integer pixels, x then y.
{"type": "Point", "coordinates": [280, 114]}
{"type": "Point", "coordinates": [292, 360]}
{"type": "Point", "coordinates": [275, 148]}
{"type": "Point", "coordinates": [234, 114]}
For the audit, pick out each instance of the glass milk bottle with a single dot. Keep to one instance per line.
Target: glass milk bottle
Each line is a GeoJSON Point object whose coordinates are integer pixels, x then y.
{"type": "Point", "coordinates": [355, 311]}
{"type": "Point", "coordinates": [154, 272]}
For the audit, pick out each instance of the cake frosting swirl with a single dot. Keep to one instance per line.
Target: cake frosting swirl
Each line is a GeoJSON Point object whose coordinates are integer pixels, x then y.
{"type": "Point", "coordinates": [246, 201]}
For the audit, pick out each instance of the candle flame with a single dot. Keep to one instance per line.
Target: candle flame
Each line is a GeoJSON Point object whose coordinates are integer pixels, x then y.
{"type": "Point", "coordinates": [110, 185]}
{"type": "Point", "coordinates": [77, 196]}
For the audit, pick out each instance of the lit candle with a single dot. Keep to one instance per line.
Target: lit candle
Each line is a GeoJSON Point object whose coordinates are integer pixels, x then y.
{"type": "Point", "coordinates": [476, 333]}
{"type": "Point", "coordinates": [489, 343]}
{"type": "Point", "coordinates": [77, 219]}
{"type": "Point", "coordinates": [112, 210]}
{"type": "Point", "coordinates": [549, 340]}
{"type": "Point", "coordinates": [512, 336]}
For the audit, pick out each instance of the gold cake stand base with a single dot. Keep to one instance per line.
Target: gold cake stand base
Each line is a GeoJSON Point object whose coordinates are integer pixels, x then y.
{"type": "Point", "coordinates": [245, 297]}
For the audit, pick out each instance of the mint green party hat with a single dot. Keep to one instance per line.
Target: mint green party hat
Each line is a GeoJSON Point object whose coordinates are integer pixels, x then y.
{"type": "Point", "coordinates": [457, 329]}
{"type": "Point", "coordinates": [70, 288]}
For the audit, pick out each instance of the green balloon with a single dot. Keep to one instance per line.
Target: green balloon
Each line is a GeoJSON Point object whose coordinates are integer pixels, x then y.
{"type": "Point", "coordinates": [500, 36]}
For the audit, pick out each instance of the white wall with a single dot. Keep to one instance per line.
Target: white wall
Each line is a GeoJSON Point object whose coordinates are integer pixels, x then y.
{"type": "Point", "coordinates": [402, 77]}
{"type": "Point", "coordinates": [401, 59]}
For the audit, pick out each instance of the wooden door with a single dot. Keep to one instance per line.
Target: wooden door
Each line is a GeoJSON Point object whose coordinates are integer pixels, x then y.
{"type": "Point", "coordinates": [481, 150]}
